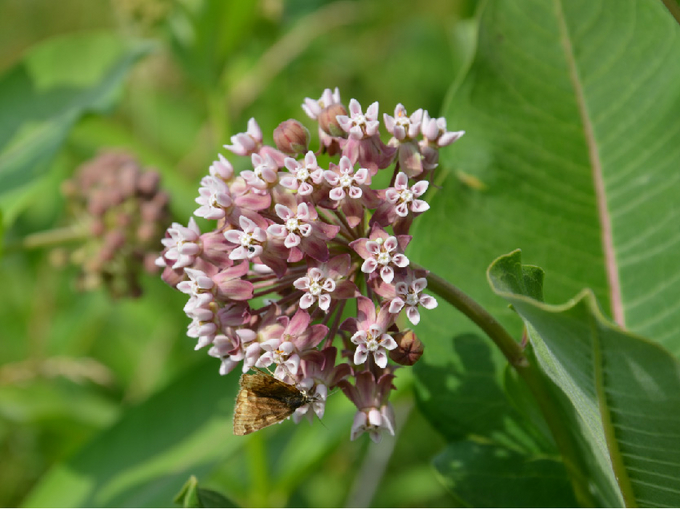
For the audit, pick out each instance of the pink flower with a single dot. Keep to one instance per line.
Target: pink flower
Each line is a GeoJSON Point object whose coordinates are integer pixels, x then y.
{"type": "Point", "coordinates": [295, 225]}
{"type": "Point", "coordinates": [230, 348]}
{"type": "Point", "coordinates": [382, 252]}
{"type": "Point", "coordinates": [408, 294]}
{"type": "Point", "coordinates": [222, 169]}
{"type": "Point", "coordinates": [264, 174]}
{"type": "Point", "coordinates": [326, 279]}
{"type": "Point", "coordinates": [404, 198]}
{"type": "Point", "coordinates": [245, 144]}
{"type": "Point", "coordinates": [370, 333]}
{"type": "Point", "coordinates": [374, 414]}
{"type": "Point", "coordinates": [199, 282]}
{"type": "Point", "coordinates": [317, 404]}
{"type": "Point", "coordinates": [183, 244]}
{"type": "Point", "coordinates": [319, 373]}
{"type": "Point", "coordinates": [314, 108]}
{"type": "Point", "coordinates": [401, 204]}
{"type": "Point", "coordinates": [249, 240]}
{"type": "Point", "coordinates": [434, 130]}
{"type": "Point", "coordinates": [214, 198]}
{"type": "Point", "coordinates": [401, 126]}
{"type": "Point", "coordinates": [358, 125]}
{"type": "Point", "coordinates": [350, 190]}
{"type": "Point", "coordinates": [303, 179]}
{"type": "Point", "coordinates": [285, 351]}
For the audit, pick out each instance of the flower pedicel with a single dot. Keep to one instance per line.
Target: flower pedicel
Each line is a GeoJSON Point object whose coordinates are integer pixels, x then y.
{"type": "Point", "coordinates": [300, 238]}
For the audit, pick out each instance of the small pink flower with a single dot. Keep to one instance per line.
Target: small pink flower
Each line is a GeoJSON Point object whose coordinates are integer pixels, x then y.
{"type": "Point", "coordinates": [214, 198]}
{"type": "Point", "coordinates": [317, 405]}
{"type": "Point", "coordinates": [404, 198]}
{"type": "Point", "coordinates": [249, 240]}
{"type": "Point", "coordinates": [183, 244]}
{"type": "Point", "coordinates": [370, 396]}
{"type": "Point", "coordinates": [370, 333]}
{"type": "Point", "coordinates": [296, 338]}
{"type": "Point", "coordinates": [294, 226]}
{"type": "Point", "coordinates": [245, 144]}
{"type": "Point", "coordinates": [199, 282]}
{"type": "Point", "coordinates": [314, 108]}
{"type": "Point", "coordinates": [350, 191]}
{"type": "Point", "coordinates": [408, 294]}
{"type": "Point", "coordinates": [375, 421]}
{"type": "Point", "coordinates": [382, 252]}
{"type": "Point", "coordinates": [326, 279]}
{"type": "Point", "coordinates": [316, 288]}
{"type": "Point", "coordinates": [303, 178]}
{"type": "Point", "coordinates": [358, 125]}
{"type": "Point", "coordinates": [401, 126]}
{"type": "Point", "coordinates": [434, 130]}
{"type": "Point", "coordinates": [345, 182]}
{"type": "Point", "coordinates": [230, 348]}
{"type": "Point", "coordinates": [282, 353]}
{"type": "Point", "coordinates": [222, 169]}
{"type": "Point", "coordinates": [264, 174]}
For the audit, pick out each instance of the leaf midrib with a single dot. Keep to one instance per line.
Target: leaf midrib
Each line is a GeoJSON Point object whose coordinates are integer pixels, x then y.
{"type": "Point", "coordinates": [611, 266]}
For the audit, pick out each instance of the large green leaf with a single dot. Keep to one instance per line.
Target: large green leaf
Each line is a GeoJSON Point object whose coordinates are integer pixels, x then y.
{"type": "Point", "coordinates": [623, 390]}
{"type": "Point", "coordinates": [144, 459]}
{"type": "Point", "coordinates": [571, 115]}
{"type": "Point", "coordinates": [43, 96]}
{"type": "Point", "coordinates": [571, 111]}
{"type": "Point", "coordinates": [485, 475]}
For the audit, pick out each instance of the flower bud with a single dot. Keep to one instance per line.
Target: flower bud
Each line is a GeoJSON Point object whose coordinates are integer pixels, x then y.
{"type": "Point", "coordinates": [291, 137]}
{"type": "Point", "coordinates": [328, 122]}
{"type": "Point", "coordinates": [409, 348]}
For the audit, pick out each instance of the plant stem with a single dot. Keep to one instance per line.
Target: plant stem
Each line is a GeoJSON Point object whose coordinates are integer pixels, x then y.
{"type": "Point", "coordinates": [259, 472]}
{"type": "Point", "coordinates": [532, 376]}
{"type": "Point", "coordinates": [481, 317]}
{"type": "Point", "coordinates": [48, 238]}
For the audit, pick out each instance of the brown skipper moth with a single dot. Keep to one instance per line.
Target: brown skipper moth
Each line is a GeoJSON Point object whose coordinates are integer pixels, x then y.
{"type": "Point", "coordinates": [264, 400]}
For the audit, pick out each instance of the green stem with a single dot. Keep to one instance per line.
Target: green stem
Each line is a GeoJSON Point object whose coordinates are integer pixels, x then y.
{"type": "Point", "coordinates": [532, 376]}
{"type": "Point", "coordinates": [48, 238]}
{"type": "Point", "coordinates": [504, 341]}
{"type": "Point", "coordinates": [259, 472]}
{"type": "Point", "coordinates": [673, 8]}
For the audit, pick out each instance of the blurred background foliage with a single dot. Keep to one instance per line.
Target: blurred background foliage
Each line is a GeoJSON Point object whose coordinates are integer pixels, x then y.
{"type": "Point", "coordinates": [72, 365]}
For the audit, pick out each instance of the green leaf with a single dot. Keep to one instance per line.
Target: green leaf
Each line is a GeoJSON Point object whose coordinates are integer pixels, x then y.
{"type": "Point", "coordinates": [192, 496]}
{"type": "Point", "coordinates": [622, 390]}
{"type": "Point", "coordinates": [570, 111]}
{"type": "Point", "coordinates": [571, 117]}
{"type": "Point", "coordinates": [469, 399]}
{"type": "Point", "coordinates": [483, 475]}
{"type": "Point", "coordinates": [42, 97]}
{"type": "Point", "coordinates": [185, 429]}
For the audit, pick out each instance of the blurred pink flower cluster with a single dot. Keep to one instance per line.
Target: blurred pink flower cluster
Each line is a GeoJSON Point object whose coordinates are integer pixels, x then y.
{"type": "Point", "coordinates": [299, 242]}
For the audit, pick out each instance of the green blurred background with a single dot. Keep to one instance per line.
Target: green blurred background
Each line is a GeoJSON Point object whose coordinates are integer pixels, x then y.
{"type": "Point", "coordinates": [87, 381]}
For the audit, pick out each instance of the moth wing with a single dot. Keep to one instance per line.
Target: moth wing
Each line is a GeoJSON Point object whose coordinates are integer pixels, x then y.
{"type": "Point", "coordinates": [253, 412]}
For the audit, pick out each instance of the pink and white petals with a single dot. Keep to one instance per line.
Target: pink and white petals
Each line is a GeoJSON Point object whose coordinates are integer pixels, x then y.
{"type": "Point", "coordinates": [409, 295]}
{"type": "Point", "coordinates": [249, 240]}
{"type": "Point", "coordinates": [182, 244]}
{"type": "Point", "coordinates": [374, 421]}
{"type": "Point", "coordinates": [245, 144]}
{"type": "Point", "coordinates": [358, 125]}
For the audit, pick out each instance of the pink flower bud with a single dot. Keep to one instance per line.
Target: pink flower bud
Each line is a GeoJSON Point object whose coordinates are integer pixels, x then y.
{"type": "Point", "coordinates": [409, 348]}
{"type": "Point", "coordinates": [291, 137]}
{"type": "Point", "coordinates": [328, 121]}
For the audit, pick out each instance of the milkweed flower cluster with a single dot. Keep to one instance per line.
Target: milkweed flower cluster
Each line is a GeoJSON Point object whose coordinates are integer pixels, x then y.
{"type": "Point", "coordinates": [121, 211]}
{"type": "Point", "coordinates": [302, 239]}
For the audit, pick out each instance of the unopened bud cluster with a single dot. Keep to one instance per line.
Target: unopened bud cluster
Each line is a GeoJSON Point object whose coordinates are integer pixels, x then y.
{"type": "Point", "coordinates": [125, 213]}
{"type": "Point", "coordinates": [302, 238]}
